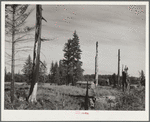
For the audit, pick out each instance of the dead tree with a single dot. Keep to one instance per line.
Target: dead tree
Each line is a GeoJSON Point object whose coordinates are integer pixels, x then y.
{"type": "Point", "coordinates": [15, 17]}
{"type": "Point", "coordinates": [36, 55]}
{"type": "Point", "coordinates": [86, 99]}
{"type": "Point", "coordinates": [125, 80]}
{"type": "Point", "coordinates": [96, 65]}
{"type": "Point", "coordinates": [118, 67]}
{"type": "Point", "coordinates": [13, 54]}
{"type": "Point", "coordinates": [124, 84]}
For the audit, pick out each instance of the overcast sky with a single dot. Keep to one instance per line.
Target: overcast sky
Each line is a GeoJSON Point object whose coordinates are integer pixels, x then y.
{"type": "Point", "coordinates": [113, 26]}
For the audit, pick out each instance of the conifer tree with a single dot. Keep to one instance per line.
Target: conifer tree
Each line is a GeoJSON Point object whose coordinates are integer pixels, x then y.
{"type": "Point", "coordinates": [61, 72]}
{"type": "Point", "coordinates": [142, 78]}
{"type": "Point", "coordinates": [27, 68]}
{"type": "Point", "coordinates": [51, 74]}
{"type": "Point", "coordinates": [76, 51]}
{"type": "Point", "coordinates": [42, 71]}
{"type": "Point", "coordinates": [72, 58]}
{"type": "Point", "coordinates": [79, 72]}
{"type": "Point", "coordinates": [67, 60]}
{"type": "Point", "coordinates": [56, 74]}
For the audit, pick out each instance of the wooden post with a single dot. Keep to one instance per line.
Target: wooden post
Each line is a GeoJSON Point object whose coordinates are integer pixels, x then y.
{"type": "Point", "coordinates": [96, 65]}
{"type": "Point", "coordinates": [118, 67]}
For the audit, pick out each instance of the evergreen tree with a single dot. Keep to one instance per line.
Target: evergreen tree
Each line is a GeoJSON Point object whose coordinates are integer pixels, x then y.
{"type": "Point", "coordinates": [51, 74]}
{"type": "Point", "coordinates": [8, 77]}
{"type": "Point", "coordinates": [27, 69]}
{"type": "Point", "coordinates": [67, 60]}
{"type": "Point", "coordinates": [56, 74]}
{"type": "Point", "coordinates": [42, 71]}
{"type": "Point", "coordinates": [76, 52]}
{"type": "Point", "coordinates": [62, 72]}
{"type": "Point", "coordinates": [72, 61]}
{"type": "Point", "coordinates": [79, 72]}
{"type": "Point", "coordinates": [142, 78]}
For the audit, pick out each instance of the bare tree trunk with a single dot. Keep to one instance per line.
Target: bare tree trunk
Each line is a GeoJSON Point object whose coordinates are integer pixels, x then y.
{"type": "Point", "coordinates": [86, 106]}
{"type": "Point", "coordinates": [118, 67]}
{"type": "Point", "coordinates": [36, 55]}
{"type": "Point", "coordinates": [13, 55]}
{"type": "Point", "coordinates": [121, 84]}
{"type": "Point", "coordinates": [96, 65]}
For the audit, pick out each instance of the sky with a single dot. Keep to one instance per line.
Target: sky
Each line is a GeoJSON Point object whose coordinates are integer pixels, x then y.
{"type": "Point", "coordinates": [113, 26]}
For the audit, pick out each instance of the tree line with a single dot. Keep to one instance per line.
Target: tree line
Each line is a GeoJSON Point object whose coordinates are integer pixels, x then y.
{"type": "Point", "coordinates": [66, 71]}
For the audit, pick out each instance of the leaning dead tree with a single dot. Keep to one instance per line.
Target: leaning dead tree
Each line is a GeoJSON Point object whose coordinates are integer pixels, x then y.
{"type": "Point", "coordinates": [96, 65]}
{"type": "Point", "coordinates": [36, 55]}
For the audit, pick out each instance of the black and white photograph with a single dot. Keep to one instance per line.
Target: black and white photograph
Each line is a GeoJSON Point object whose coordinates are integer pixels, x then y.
{"type": "Point", "coordinates": [80, 60]}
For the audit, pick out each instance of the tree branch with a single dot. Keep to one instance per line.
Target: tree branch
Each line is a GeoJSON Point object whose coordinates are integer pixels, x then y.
{"type": "Point", "coordinates": [42, 64]}
{"type": "Point", "coordinates": [44, 19]}
{"type": "Point", "coordinates": [25, 50]}
{"type": "Point", "coordinates": [20, 38]}
{"type": "Point", "coordinates": [47, 39]}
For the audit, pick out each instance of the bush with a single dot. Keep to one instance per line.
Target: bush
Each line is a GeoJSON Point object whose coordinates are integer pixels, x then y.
{"type": "Point", "coordinates": [133, 101]}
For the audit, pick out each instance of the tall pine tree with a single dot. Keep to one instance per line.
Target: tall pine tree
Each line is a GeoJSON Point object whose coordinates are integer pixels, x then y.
{"type": "Point", "coordinates": [67, 60]}
{"type": "Point", "coordinates": [76, 51]}
{"type": "Point", "coordinates": [72, 58]}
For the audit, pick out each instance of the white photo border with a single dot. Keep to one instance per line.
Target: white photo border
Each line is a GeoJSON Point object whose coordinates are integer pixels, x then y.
{"type": "Point", "coordinates": [69, 115]}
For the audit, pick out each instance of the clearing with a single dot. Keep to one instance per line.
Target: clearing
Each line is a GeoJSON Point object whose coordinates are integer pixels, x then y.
{"type": "Point", "coordinates": [54, 97]}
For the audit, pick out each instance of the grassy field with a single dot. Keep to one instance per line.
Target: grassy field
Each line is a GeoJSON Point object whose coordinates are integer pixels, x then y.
{"type": "Point", "coordinates": [54, 97]}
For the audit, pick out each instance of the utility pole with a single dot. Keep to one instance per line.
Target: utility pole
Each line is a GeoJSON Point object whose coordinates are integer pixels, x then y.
{"type": "Point", "coordinates": [118, 67]}
{"type": "Point", "coordinates": [96, 65]}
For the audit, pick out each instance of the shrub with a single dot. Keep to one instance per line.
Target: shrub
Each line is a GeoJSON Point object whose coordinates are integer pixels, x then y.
{"type": "Point", "coordinates": [133, 101]}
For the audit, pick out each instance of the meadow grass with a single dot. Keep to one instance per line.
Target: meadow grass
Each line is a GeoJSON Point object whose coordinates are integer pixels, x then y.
{"type": "Point", "coordinates": [62, 97]}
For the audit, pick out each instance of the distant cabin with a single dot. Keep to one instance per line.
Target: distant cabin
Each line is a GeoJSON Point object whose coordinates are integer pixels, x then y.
{"type": "Point", "coordinates": [83, 84]}
{"type": "Point", "coordinates": [103, 82]}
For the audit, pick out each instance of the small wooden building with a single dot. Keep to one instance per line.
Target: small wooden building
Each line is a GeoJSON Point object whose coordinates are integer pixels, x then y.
{"type": "Point", "coordinates": [83, 84]}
